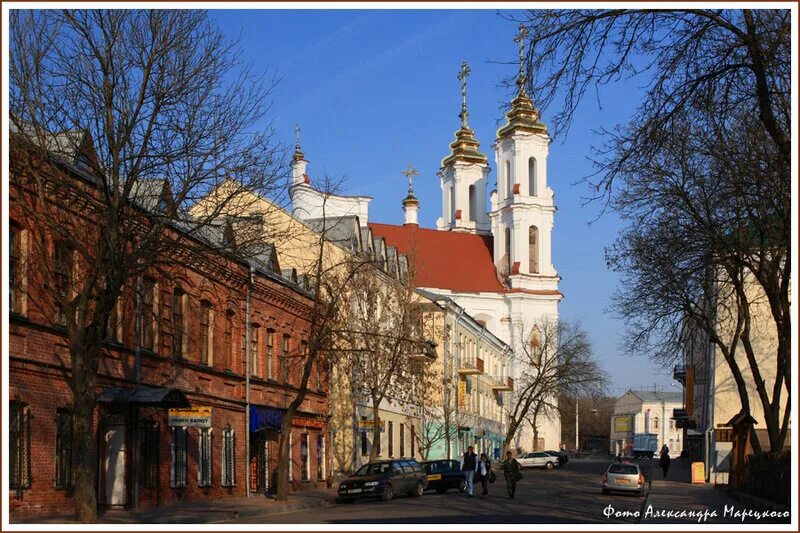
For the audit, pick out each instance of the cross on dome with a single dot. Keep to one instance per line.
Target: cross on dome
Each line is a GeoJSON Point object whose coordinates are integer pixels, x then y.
{"type": "Point", "coordinates": [462, 76]}
{"type": "Point", "coordinates": [409, 173]}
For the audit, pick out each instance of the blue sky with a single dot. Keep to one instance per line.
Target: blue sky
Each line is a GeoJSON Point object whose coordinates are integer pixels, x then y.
{"type": "Point", "coordinates": [375, 90]}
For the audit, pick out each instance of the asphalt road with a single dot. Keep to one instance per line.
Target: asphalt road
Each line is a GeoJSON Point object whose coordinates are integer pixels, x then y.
{"type": "Point", "coordinates": [570, 494]}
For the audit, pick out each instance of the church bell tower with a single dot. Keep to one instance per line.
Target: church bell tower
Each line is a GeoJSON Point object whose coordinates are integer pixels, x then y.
{"type": "Point", "coordinates": [464, 173]}
{"type": "Point", "coordinates": [522, 208]}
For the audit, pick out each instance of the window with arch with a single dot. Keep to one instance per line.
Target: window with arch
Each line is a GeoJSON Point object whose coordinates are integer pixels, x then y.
{"type": "Point", "coordinates": [452, 203]}
{"type": "Point", "coordinates": [509, 192]}
{"type": "Point", "coordinates": [532, 185]}
{"type": "Point", "coordinates": [473, 203]}
{"type": "Point", "coordinates": [655, 422]}
{"type": "Point", "coordinates": [178, 322]}
{"type": "Point", "coordinates": [533, 250]}
{"type": "Point", "coordinates": [507, 238]}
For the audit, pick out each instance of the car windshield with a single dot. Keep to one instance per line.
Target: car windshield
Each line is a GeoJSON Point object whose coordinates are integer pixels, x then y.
{"type": "Point", "coordinates": [371, 469]}
{"type": "Point", "coordinates": [623, 469]}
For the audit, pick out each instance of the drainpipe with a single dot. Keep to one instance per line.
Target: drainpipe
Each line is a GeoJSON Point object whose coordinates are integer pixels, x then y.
{"type": "Point", "coordinates": [247, 382]}
{"type": "Point", "coordinates": [457, 352]}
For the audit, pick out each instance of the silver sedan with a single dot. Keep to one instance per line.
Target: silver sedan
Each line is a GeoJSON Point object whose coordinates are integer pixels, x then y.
{"type": "Point", "coordinates": [538, 460]}
{"type": "Point", "coordinates": [624, 477]}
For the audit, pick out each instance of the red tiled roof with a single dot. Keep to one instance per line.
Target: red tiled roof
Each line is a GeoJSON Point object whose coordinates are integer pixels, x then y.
{"type": "Point", "coordinates": [460, 262]}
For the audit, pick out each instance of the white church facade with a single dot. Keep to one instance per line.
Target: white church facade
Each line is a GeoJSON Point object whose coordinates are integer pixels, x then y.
{"type": "Point", "coordinates": [496, 264]}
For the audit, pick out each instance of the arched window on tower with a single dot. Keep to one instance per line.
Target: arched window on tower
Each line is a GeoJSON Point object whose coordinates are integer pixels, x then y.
{"type": "Point", "coordinates": [532, 185]}
{"type": "Point", "coordinates": [473, 204]}
{"type": "Point", "coordinates": [533, 250]}
{"type": "Point", "coordinates": [508, 251]}
{"type": "Point", "coordinates": [509, 188]}
{"type": "Point", "coordinates": [452, 204]}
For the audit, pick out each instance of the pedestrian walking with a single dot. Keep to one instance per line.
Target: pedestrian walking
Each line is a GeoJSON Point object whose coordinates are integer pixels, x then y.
{"type": "Point", "coordinates": [512, 473]}
{"type": "Point", "coordinates": [482, 472]}
{"type": "Point", "coordinates": [664, 460]}
{"type": "Point", "coordinates": [469, 462]}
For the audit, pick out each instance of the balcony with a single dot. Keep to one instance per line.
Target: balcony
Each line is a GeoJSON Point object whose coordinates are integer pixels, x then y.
{"type": "Point", "coordinates": [503, 386]}
{"type": "Point", "coordinates": [426, 351]}
{"type": "Point", "coordinates": [471, 366]}
{"type": "Point", "coordinates": [679, 374]}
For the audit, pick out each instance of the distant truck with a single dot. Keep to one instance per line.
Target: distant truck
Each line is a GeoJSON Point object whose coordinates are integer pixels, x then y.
{"type": "Point", "coordinates": [645, 444]}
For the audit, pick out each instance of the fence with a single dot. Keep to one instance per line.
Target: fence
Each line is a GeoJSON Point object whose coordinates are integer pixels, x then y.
{"type": "Point", "coordinates": [768, 476]}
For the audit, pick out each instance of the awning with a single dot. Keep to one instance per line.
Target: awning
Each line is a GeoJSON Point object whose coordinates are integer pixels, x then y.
{"type": "Point", "coordinates": [147, 396]}
{"type": "Point", "coordinates": [265, 418]}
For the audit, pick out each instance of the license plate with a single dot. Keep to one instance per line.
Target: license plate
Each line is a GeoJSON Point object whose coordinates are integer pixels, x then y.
{"type": "Point", "coordinates": [434, 477]}
{"type": "Point", "coordinates": [353, 491]}
{"type": "Point", "coordinates": [622, 481]}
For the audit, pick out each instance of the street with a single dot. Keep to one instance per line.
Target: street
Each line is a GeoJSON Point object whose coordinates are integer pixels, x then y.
{"type": "Point", "coordinates": [570, 494]}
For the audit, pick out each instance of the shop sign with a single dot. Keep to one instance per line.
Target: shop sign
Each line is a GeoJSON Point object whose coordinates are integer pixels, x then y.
{"type": "Point", "coordinates": [199, 417]}
{"type": "Point", "coordinates": [623, 424]}
{"type": "Point", "coordinates": [370, 424]}
{"type": "Point", "coordinates": [308, 422]}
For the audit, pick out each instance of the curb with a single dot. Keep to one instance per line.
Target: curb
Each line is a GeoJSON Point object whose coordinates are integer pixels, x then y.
{"type": "Point", "coordinates": [292, 508]}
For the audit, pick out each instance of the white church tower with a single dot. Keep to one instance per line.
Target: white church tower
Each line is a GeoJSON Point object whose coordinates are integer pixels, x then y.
{"type": "Point", "coordinates": [464, 175]}
{"type": "Point", "coordinates": [522, 207]}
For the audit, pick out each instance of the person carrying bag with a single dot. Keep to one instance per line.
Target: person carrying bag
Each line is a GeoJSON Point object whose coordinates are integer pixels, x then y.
{"type": "Point", "coordinates": [484, 473]}
{"type": "Point", "coordinates": [512, 471]}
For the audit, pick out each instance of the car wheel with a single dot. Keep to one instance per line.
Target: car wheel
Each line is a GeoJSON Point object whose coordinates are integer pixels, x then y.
{"type": "Point", "coordinates": [549, 465]}
{"type": "Point", "coordinates": [462, 486]}
{"type": "Point", "coordinates": [419, 488]}
{"type": "Point", "coordinates": [441, 490]}
{"type": "Point", "coordinates": [388, 493]}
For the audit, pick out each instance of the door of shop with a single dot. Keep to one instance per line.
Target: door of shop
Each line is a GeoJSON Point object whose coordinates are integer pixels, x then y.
{"type": "Point", "coordinates": [114, 460]}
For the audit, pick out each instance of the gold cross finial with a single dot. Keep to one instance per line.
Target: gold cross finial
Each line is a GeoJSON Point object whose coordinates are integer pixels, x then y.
{"type": "Point", "coordinates": [297, 135]}
{"type": "Point", "coordinates": [520, 39]}
{"type": "Point", "coordinates": [462, 76]}
{"type": "Point", "coordinates": [410, 172]}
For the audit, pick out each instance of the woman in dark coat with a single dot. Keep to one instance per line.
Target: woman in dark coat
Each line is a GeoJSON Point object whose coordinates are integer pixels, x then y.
{"type": "Point", "coordinates": [482, 470]}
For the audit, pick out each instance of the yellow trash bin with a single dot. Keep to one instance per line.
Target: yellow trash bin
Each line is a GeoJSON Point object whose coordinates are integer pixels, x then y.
{"type": "Point", "coordinates": [698, 472]}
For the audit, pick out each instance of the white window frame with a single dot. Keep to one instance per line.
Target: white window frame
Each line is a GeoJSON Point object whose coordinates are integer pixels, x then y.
{"type": "Point", "coordinates": [176, 479]}
{"type": "Point", "coordinates": [224, 481]}
{"type": "Point", "coordinates": [205, 448]}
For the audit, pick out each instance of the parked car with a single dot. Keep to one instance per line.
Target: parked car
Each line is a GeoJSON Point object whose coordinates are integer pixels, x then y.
{"type": "Point", "coordinates": [445, 474]}
{"type": "Point", "coordinates": [384, 480]}
{"type": "Point", "coordinates": [538, 460]}
{"type": "Point", "coordinates": [563, 458]}
{"type": "Point", "coordinates": [624, 477]}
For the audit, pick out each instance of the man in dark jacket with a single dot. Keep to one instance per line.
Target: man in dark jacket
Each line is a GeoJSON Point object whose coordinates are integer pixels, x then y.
{"type": "Point", "coordinates": [469, 462]}
{"type": "Point", "coordinates": [511, 471]}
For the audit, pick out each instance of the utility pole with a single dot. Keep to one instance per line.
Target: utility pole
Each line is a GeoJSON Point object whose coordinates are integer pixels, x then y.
{"type": "Point", "coordinates": [577, 400]}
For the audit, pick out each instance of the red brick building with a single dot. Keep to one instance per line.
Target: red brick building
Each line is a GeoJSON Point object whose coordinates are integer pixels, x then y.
{"type": "Point", "coordinates": [193, 322]}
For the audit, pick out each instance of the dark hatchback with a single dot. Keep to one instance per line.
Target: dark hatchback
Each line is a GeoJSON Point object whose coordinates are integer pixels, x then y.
{"type": "Point", "coordinates": [445, 474]}
{"type": "Point", "coordinates": [384, 480]}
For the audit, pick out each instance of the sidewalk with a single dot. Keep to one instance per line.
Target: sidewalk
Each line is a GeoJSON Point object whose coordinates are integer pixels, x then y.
{"type": "Point", "coordinates": [207, 511]}
{"type": "Point", "coordinates": [675, 500]}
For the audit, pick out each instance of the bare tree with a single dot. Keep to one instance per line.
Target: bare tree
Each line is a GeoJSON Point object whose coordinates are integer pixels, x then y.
{"type": "Point", "coordinates": [557, 360]}
{"type": "Point", "coordinates": [380, 335]}
{"type": "Point", "coordinates": [435, 406]}
{"type": "Point", "coordinates": [706, 256]}
{"type": "Point", "coordinates": [704, 189]}
{"type": "Point", "coordinates": [151, 109]}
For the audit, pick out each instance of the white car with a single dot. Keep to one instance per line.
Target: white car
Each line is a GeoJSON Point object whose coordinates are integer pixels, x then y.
{"type": "Point", "coordinates": [538, 460]}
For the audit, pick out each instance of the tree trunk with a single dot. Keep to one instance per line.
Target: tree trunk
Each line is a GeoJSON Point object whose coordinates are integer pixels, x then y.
{"type": "Point", "coordinates": [282, 489]}
{"type": "Point", "coordinates": [376, 431]}
{"type": "Point", "coordinates": [512, 430]}
{"type": "Point", "coordinates": [84, 384]}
